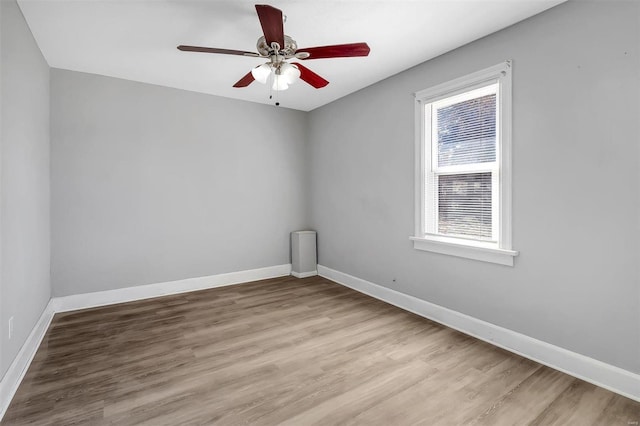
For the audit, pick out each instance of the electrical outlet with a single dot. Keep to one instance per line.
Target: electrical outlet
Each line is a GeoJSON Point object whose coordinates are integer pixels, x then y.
{"type": "Point", "coordinates": [10, 327]}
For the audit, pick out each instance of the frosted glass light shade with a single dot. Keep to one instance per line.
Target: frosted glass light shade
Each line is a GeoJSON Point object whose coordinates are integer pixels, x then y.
{"type": "Point", "coordinates": [280, 82]}
{"type": "Point", "coordinates": [261, 73]}
{"type": "Point", "coordinates": [290, 72]}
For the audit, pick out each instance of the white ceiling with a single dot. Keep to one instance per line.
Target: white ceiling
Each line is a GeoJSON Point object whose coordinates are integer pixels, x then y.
{"type": "Point", "coordinates": [137, 39]}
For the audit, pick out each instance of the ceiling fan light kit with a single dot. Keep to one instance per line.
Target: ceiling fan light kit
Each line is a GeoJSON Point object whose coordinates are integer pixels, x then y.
{"type": "Point", "coordinates": [283, 72]}
{"type": "Point", "coordinates": [278, 48]}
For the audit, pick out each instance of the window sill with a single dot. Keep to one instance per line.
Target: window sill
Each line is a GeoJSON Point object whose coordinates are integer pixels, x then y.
{"type": "Point", "coordinates": [464, 248]}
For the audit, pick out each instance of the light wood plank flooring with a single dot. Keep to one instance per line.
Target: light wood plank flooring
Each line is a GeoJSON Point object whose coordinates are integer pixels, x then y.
{"type": "Point", "coordinates": [289, 351]}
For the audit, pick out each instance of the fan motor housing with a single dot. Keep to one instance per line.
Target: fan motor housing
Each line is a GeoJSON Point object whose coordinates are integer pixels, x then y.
{"type": "Point", "coordinates": [289, 49]}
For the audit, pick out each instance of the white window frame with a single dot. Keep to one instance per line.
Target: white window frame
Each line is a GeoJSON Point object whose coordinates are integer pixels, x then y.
{"type": "Point", "coordinates": [500, 251]}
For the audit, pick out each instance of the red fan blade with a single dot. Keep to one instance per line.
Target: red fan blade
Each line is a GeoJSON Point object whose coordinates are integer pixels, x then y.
{"type": "Point", "coordinates": [245, 81]}
{"type": "Point", "coordinates": [215, 50]}
{"type": "Point", "coordinates": [337, 51]}
{"type": "Point", "coordinates": [311, 77]}
{"type": "Point", "coordinates": [272, 24]}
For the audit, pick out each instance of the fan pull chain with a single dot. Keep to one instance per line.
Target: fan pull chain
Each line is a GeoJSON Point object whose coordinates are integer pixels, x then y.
{"type": "Point", "coordinates": [272, 80]}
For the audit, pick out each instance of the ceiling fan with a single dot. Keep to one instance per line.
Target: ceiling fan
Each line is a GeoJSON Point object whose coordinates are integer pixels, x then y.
{"type": "Point", "coordinates": [278, 48]}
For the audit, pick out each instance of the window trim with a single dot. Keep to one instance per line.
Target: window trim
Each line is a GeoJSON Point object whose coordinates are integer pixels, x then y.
{"type": "Point", "coordinates": [500, 252]}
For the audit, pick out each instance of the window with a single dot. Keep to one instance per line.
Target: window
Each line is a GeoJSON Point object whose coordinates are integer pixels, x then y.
{"type": "Point", "coordinates": [463, 167]}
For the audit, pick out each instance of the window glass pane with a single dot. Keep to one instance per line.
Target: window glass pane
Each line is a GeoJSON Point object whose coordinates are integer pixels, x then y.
{"type": "Point", "coordinates": [467, 132]}
{"type": "Point", "coordinates": [464, 207]}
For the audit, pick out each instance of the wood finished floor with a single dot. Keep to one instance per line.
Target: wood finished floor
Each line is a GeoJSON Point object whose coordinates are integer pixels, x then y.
{"type": "Point", "coordinates": [294, 352]}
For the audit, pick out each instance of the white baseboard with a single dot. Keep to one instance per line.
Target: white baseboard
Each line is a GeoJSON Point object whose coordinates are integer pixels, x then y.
{"type": "Point", "coordinates": [588, 369]}
{"type": "Point", "coordinates": [18, 368]}
{"type": "Point", "coordinates": [304, 274]}
{"type": "Point", "coordinates": [128, 294]}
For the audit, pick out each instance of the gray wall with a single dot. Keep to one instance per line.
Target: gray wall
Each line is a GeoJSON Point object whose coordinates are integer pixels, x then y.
{"type": "Point", "coordinates": [575, 178]}
{"type": "Point", "coordinates": [24, 182]}
{"type": "Point", "coordinates": [151, 184]}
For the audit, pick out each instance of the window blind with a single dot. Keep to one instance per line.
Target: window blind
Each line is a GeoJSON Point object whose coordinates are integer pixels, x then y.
{"type": "Point", "coordinates": [466, 132]}
{"type": "Point", "coordinates": [464, 205]}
